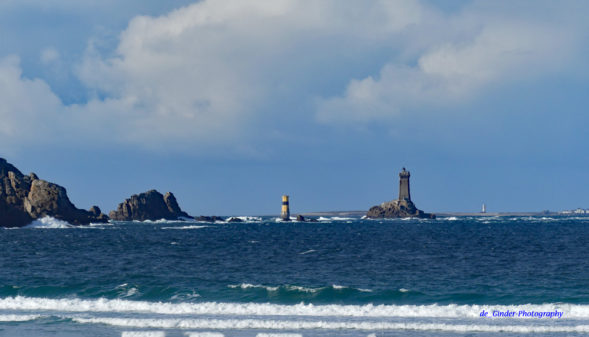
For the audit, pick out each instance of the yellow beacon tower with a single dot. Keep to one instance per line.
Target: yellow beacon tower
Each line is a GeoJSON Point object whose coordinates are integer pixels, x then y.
{"type": "Point", "coordinates": [285, 213]}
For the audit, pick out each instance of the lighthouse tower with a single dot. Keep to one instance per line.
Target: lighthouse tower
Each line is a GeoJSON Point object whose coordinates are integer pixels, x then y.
{"type": "Point", "coordinates": [404, 193]}
{"type": "Point", "coordinates": [285, 213]}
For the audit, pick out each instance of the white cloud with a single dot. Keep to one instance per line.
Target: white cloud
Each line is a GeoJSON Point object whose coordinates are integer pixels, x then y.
{"type": "Point", "coordinates": [454, 72]}
{"type": "Point", "coordinates": [205, 71]}
{"type": "Point", "coordinates": [210, 74]}
{"type": "Point", "coordinates": [28, 106]}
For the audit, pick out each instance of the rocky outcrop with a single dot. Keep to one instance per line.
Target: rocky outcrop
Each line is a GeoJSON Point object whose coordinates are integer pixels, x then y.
{"type": "Point", "coordinates": [26, 198]}
{"type": "Point", "coordinates": [205, 218]}
{"type": "Point", "coordinates": [397, 209]}
{"type": "Point", "coordinates": [403, 207]}
{"type": "Point", "coordinates": [151, 205]}
{"type": "Point", "coordinates": [95, 210]}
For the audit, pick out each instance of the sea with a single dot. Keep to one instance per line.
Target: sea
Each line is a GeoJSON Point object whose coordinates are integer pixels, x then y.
{"type": "Point", "coordinates": [452, 276]}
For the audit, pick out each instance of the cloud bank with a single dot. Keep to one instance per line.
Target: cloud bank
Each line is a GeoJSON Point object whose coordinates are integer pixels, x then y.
{"type": "Point", "coordinates": [219, 73]}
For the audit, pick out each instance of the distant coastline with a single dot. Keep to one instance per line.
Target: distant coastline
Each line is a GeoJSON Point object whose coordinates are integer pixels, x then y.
{"type": "Point", "coordinates": [443, 214]}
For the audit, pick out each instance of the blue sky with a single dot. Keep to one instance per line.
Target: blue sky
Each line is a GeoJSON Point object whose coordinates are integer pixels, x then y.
{"type": "Point", "coordinates": [230, 104]}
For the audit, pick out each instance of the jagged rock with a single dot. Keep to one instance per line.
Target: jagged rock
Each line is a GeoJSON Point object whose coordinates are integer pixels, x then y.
{"type": "Point", "coordinates": [151, 205]}
{"type": "Point", "coordinates": [205, 218]}
{"type": "Point", "coordinates": [95, 210]}
{"type": "Point", "coordinates": [397, 209]}
{"type": "Point", "coordinates": [25, 198]}
{"type": "Point", "coordinates": [300, 218]}
{"type": "Point", "coordinates": [234, 219]}
{"type": "Point", "coordinates": [173, 207]}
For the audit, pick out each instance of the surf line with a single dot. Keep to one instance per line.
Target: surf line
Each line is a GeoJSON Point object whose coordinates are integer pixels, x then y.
{"type": "Point", "coordinates": [522, 314]}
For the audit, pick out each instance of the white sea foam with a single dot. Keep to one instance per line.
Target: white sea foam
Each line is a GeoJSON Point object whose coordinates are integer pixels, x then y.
{"type": "Point", "coordinates": [403, 290]}
{"type": "Point", "coordinates": [245, 218]}
{"type": "Point", "coordinates": [143, 334]}
{"type": "Point", "coordinates": [186, 227]}
{"type": "Point", "coordinates": [242, 324]}
{"type": "Point", "coordinates": [204, 334]}
{"type": "Point", "coordinates": [291, 287]}
{"type": "Point", "coordinates": [49, 222]}
{"type": "Point", "coordinates": [18, 318]}
{"type": "Point", "coordinates": [131, 292]}
{"type": "Point", "coordinates": [571, 311]}
{"type": "Point", "coordinates": [308, 252]}
{"type": "Point", "coordinates": [249, 286]}
{"type": "Point", "coordinates": [279, 335]}
{"type": "Point", "coordinates": [335, 218]}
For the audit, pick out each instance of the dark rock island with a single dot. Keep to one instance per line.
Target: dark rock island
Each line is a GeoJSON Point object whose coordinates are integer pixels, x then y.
{"type": "Point", "coordinates": [151, 205]}
{"type": "Point", "coordinates": [26, 198]}
{"type": "Point", "coordinates": [400, 208]}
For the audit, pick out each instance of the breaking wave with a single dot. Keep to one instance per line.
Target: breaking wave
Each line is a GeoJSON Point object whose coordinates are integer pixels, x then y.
{"type": "Point", "coordinates": [186, 227]}
{"type": "Point", "coordinates": [335, 218]}
{"type": "Point", "coordinates": [270, 324]}
{"type": "Point", "coordinates": [245, 219]}
{"type": "Point", "coordinates": [21, 303]}
{"type": "Point", "coordinates": [295, 288]}
{"type": "Point", "coordinates": [49, 222]}
{"type": "Point", "coordinates": [18, 318]}
{"type": "Point", "coordinates": [143, 334]}
{"type": "Point", "coordinates": [275, 317]}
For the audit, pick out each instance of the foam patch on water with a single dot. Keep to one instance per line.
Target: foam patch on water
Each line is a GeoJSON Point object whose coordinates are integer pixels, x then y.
{"type": "Point", "coordinates": [338, 287]}
{"type": "Point", "coordinates": [186, 227]}
{"type": "Point", "coordinates": [243, 324]}
{"type": "Point", "coordinates": [279, 335]}
{"type": "Point", "coordinates": [250, 286]}
{"type": "Point", "coordinates": [162, 221]}
{"type": "Point", "coordinates": [245, 218]}
{"type": "Point", "coordinates": [204, 334]}
{"type": "Point", "coordinates": [335, 218]}
{"type": "Point", "coordinates": [293, 288]}
{"type": "Point", "coordinates": [143, 334]}
{"type": "Point", "coordinates": [18, 318]}
{"type": "Point", "coordinates": [49, 222]}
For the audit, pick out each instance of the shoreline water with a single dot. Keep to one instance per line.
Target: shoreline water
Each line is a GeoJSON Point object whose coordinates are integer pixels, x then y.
{"type": "Point", "coordinates": [342, 276]}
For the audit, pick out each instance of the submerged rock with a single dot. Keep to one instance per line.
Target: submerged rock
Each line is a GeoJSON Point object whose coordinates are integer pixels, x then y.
{"type": "Point", "coordinates": [26, 198]}
{"type": "Point", "coordinates": [151, 205]}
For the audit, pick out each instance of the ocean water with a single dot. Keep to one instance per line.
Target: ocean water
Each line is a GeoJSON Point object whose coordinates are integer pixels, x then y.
{"type": "Point", "coordinates": [475, 276]}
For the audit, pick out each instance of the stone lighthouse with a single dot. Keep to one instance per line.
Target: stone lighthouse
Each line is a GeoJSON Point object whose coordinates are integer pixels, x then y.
{"type": "Point", "coordinates": [404, 191]}
{"type": "Point", "coordinates": [403, 207]}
